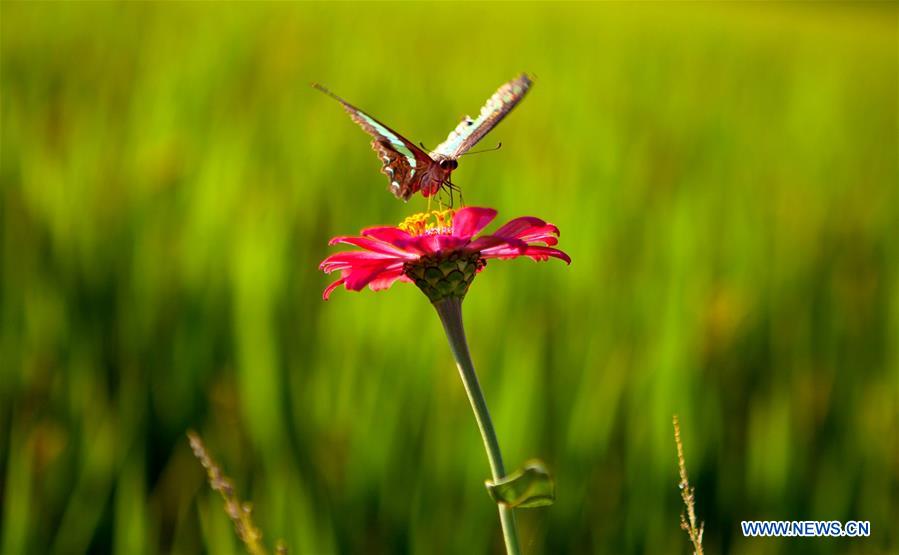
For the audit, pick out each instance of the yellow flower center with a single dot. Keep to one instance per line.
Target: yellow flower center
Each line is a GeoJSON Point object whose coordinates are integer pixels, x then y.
{"type": "Point", "coordinates": [429, 223]}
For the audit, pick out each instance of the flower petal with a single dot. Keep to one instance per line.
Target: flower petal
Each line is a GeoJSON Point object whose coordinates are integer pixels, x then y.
{"type": "Point", "coordinates": [392, 235]}
{"type": "Point", "coordinates": [331, 288]}
{"type": "Point", "coordinates": [374, 245]}
{"type": "Point", "coordinates": [361, 276]}
{"type": "Point", "coordinates": [349, 259]}
{"type": "Point", "coordinates": [468, 221]}
{"type": "Point", "coordinates": [540, 254]}
{"type": "Point", "coordinates": [435, 243]}
{"type": "Point", "coordinates": [515, 248]}
{"type": "Point", "coordinates": [396, 237]}
{"type": "Point", "coordinates": [451, 243]}
{"type": "Point", "coordinates": [528, 228]}
{"type": "Point", "coordinates": [485, 242]}
{"type": "Point", "coordinates": [546, 234]}
{"type": "Point", "coordinates": [507, 248]}
{"type": "Point", "coordinates": [386, 279]}
{"type": "Point", "coordinates": [513, 227]}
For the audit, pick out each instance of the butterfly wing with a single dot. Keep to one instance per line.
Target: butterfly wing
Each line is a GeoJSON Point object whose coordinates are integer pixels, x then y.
{"type": "Point", "coordinates": [470, 131]}
{"type": "Point", "coordinates": [404, 164]}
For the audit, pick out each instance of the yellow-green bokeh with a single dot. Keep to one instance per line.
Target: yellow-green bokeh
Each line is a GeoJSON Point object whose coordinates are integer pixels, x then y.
{"type": "Point", "coordinates": [725, 179]}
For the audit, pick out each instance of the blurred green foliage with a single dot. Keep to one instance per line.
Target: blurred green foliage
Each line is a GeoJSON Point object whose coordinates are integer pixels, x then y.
{"type": "Point", "coordinates": [725, 179]}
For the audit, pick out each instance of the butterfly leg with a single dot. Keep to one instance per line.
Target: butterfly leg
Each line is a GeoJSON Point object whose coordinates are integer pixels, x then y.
{"type": "Point", "coordinates": [443, 205]}
{"type": "Point", "coordinates": [452, 187]}
{"type": "Point", "coordinates": [446, 189]}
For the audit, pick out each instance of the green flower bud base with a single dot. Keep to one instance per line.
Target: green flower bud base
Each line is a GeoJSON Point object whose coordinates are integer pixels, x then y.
{"type": "Point", "coordinates": [445, 275]}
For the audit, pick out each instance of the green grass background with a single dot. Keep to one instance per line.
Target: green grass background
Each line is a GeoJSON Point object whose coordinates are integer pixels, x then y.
{"type": "Point", "coordinates": [725, 179]}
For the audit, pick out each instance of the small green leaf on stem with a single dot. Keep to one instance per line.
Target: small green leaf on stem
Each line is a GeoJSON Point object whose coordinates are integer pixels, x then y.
{"type": "Point", "coordinates": [526, 488]}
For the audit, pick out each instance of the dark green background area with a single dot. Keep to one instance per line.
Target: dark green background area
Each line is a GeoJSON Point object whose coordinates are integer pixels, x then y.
{"type": "Point", "coordinates": [725, 179]}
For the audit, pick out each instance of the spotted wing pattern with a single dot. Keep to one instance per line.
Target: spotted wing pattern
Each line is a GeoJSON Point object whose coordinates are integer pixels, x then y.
{"type": "Point", "coordinates": [470, 131]}
{"type": "Point", "coordinates": [404, 164]}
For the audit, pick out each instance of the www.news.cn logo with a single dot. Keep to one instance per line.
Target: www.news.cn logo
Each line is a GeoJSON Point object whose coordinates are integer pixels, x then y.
{"type": "Point", "coordinates": [806, 528]}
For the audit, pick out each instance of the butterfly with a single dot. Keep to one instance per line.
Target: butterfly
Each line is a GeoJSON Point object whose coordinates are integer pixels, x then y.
{"type": "Point", "coordinates": [410, 169]}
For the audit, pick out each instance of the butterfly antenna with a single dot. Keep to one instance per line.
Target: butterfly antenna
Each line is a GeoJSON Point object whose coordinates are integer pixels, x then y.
{"type": "Point", "coordinates": [323, 89]}
{"type": "Point", "coordinates": [329, 93]}
{"type": "Point", "coordinates": [497, 147]}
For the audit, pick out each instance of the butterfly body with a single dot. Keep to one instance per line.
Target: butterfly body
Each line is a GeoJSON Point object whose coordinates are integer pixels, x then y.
{"type": "Point", "coordinates": [408, 168]}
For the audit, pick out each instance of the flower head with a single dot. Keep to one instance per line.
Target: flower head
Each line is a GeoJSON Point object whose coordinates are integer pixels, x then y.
{"type": "Point", "coordinates": [437, 251]}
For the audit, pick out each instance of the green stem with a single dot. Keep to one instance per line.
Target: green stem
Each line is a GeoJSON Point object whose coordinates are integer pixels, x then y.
{"type": "Point", "coordinates": [450, 312]}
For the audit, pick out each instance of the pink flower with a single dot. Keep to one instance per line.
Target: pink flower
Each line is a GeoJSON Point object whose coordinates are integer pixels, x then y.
{"type": "Point", "coordinates": [437, 251]}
